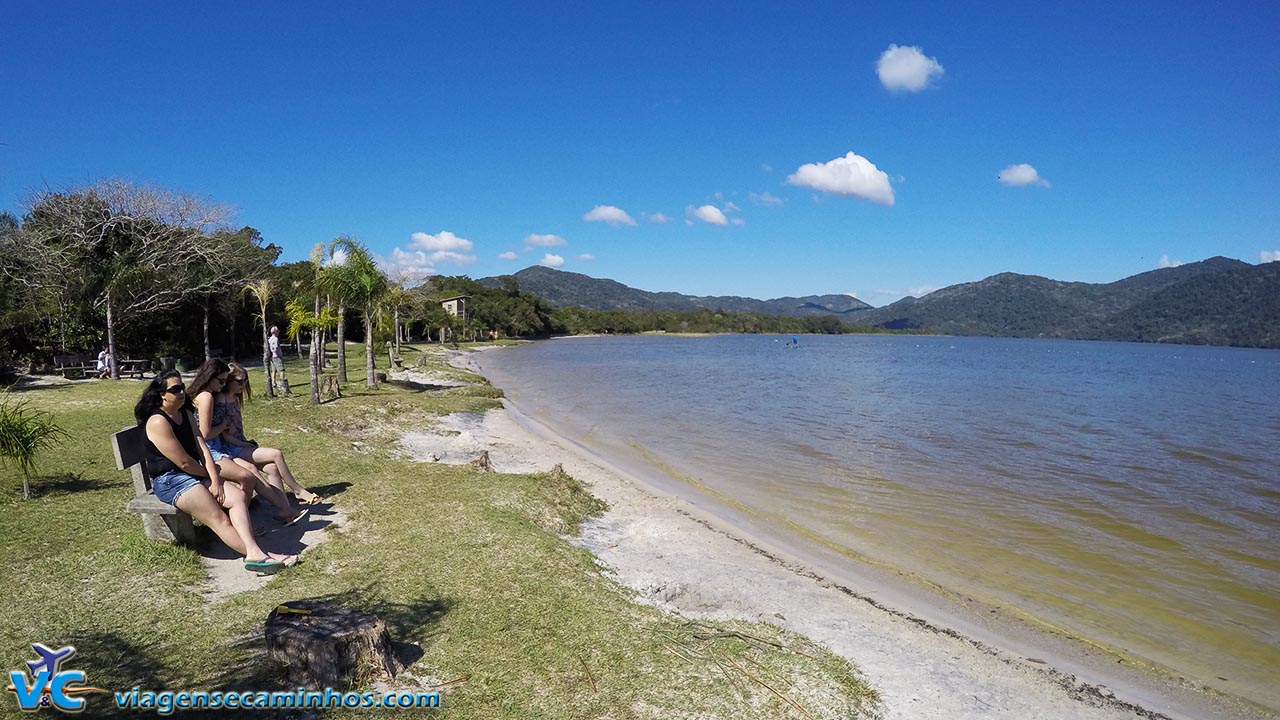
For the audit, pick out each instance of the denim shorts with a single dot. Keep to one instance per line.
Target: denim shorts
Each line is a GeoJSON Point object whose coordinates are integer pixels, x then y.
{"type": "Point", "coordinates": [169, 486]}
{"type": "Point", "coordinates": [221, 451]}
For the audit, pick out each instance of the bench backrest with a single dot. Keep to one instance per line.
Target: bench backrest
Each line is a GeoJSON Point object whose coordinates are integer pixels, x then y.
{"type": "Point", "coordinates": [130, 446]}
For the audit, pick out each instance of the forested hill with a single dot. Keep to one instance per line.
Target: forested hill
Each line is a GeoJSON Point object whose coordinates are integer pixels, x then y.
{"type": "Point", "coordinates": [1218, 301]}
{"type": "Point", "coordinates": [566, 289]}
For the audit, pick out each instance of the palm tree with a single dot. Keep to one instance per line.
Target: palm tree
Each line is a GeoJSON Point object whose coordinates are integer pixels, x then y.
{"type": "Point", "coordinates": [300, 317]}
{"type": "Point", "coordinates": [361, 283]}
{"type": "Point", "coordinates": [262, 290]}
{"type": "Point", "coordinates": [23, 434]}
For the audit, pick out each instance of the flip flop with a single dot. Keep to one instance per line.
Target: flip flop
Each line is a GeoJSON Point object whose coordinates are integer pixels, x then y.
{"type": "Point", "coordinates": [313, 500]}
{"type": "Point", "coordinates": [292, 560]}
{"type": "Point", "coordinates": [301, 514]}
{"type": "Point", "coordinates": [265, 566]}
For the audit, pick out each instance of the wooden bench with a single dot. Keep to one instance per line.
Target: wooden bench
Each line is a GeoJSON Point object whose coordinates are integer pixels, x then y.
{"type": "Point", "coordinates": [75, 366]}
{"type": "Point", "coordinates": [393, 360]}
{"type": "Point", "coordinates": [160, 520]}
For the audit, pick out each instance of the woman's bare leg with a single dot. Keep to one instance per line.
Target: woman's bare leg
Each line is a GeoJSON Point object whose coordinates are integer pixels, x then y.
{"type": "Point", "coordinates": [264, 456]}
{"type": "Point", "coordinates": [201, 505]}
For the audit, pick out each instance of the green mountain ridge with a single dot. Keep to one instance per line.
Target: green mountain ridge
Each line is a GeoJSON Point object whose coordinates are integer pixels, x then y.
{"type": "Point", "coordinates": [1218, 301]}
{"type": "Point", "coordinates": [565, 289]}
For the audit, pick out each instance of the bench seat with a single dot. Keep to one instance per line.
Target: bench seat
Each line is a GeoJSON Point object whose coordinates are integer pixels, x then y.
{"type": "Point", "coordinates": [160, 520]}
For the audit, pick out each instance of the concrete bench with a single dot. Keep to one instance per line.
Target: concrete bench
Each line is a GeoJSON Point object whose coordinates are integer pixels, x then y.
{"type": "Point", "coordinates": [160, 520]}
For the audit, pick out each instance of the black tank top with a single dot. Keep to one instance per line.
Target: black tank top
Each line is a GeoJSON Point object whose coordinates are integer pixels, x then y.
{"type": "Point", "coordinates": [157, 463]}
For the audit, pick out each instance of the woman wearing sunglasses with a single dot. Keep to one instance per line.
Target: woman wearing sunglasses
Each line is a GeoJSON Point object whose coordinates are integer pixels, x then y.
{"type": "Point", "coordinates": [184, 475]}
{"type": "Point", "coordinates": [233, 442]}
{"type": "Point", "coordinates": [206, 392]}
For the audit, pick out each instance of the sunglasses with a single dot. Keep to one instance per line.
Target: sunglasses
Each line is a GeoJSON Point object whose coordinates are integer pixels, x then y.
{"type": "Point", "coordinates": [176, 389]}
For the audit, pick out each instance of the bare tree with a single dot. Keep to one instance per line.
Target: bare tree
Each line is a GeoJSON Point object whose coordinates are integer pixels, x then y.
{"type": "Point", "coordinates": [138, 248]}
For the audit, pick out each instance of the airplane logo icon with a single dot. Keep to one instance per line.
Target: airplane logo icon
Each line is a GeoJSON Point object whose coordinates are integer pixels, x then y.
{"type": "Point", "coordinates": [50, 660]}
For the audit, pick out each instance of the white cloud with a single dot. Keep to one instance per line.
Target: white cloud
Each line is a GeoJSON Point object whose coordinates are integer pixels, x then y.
{"type": "Point", "coordinates": [609, 214]}
{"type": "Point", "coordinates": [450, 258]}
{"type": "Point", "coordinates": [508, 255]}
{"type": "Point", "coordinates": [1021, 175]}
{"type": "Point", "coordinates": [551, 261]}
{"type": "Point", "coordinates": [658, 218]}
{"type": "Point", "coordinates": [907, 69]}
{"type": "Point", "coordinates": [766, 167]}
{"type": "Point", "coordinates": [851, 175]}
{"type": "Point", "coordinates": [544, 240]}
{"type": "Point", "coordinates": [413, 267]}
{"type": "Point", "coordinates": [738, 221]}
{"type": "Point", "coordinates": [731, 208]}
{"type": "Point", "coordinates": [1165, 262]}
{"type": "Point", "coordinates": [585, 256]}
{"type": "Point", "coordinates": [339, 257]}
{"type": "Point", "coordinates": [708, 214]}
{"type": "Point", "coordinates": [1267, 256]}
{"type": "Point", "coordinates": [445, 240]}
{"type": "Point", "coordinates": [766, 200]}
{"type": "Point", "coordinates": [922, 290]}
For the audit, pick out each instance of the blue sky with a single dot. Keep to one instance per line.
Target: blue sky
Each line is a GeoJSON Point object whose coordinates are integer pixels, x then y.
{"type": "Point", "coordinates": [445, 135]}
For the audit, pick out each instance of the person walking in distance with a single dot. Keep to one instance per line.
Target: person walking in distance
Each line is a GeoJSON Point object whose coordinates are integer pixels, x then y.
{"type": "Point", "coordinates": [277, 362]}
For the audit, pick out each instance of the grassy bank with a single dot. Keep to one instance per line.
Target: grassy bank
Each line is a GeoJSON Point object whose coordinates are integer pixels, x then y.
{"type": "Point", "coordinates": [471, 568]}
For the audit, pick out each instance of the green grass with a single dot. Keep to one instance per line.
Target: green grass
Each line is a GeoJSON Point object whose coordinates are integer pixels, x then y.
{"type": "Point", "coordinates": [473, 568]}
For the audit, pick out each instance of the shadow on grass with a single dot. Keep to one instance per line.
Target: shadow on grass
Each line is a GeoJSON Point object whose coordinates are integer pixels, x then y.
{"type": "Point", "coordinates": [418, 387]}
{"type": "Point", "coordinates": [72, 483]}
{"type": "Point", "coordinates": [25, 384]}
{"type": "Point", "coordinates": [115, 664]}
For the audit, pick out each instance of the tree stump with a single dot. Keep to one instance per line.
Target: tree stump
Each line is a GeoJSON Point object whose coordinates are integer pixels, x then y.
{"type": "Point", "coordinates": [482, 463]}
{"type": "Point", "coordinates": [329, 389]}
{"type": "Point", "coordinates": [319, 649]}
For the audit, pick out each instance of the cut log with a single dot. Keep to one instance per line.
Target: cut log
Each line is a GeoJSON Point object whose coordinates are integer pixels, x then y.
{"type": "Point", "coordinates": [330, 644]}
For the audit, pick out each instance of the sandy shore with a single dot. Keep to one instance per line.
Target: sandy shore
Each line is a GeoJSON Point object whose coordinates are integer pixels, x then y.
{"type": "Point", "coordinates": [927, 659]}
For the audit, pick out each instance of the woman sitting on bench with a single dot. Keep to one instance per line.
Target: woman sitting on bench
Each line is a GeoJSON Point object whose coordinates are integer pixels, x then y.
{"type": "Point", "coordinates": [233, 442]}
{"type": "Point", "coordinates": [184, 475]}
{"type": "Point", "coordinates": [211, 412]}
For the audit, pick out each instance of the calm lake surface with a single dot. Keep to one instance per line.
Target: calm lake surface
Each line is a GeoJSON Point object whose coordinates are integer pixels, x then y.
{"type": "Point", "coordinates": [1127, 492]}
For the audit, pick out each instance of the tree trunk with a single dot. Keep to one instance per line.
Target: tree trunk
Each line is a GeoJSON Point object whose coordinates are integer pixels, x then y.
{"type": "Point", "coordinates": [111, 341]}
{"type": "Point", "coordinates": [26, 487]}
{"type": "Point", "coordinates": [342, 342]}
{"type": "Point", "coordinates": [370, 380]}
{"type": "Point", "coordinates": [314, 369]}
{"type": "Point", "coordinates": [266, 354]}
{"type": "Point", "coordinates": [396, 325]}
{"type": "Point", "coordinates": [208, 354]}
{"type": "Point", "coordinates": [233, 336]}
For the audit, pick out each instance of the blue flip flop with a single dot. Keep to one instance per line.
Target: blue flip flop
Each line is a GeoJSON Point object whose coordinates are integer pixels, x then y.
{"type": "Point", "coordinates": [266, 566]}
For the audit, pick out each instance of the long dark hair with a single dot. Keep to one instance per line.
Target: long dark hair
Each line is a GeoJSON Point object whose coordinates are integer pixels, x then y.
{"type": "Point", "coordinates": [153, 395]}
{"type": "Point", "coordinates": [211, 368]}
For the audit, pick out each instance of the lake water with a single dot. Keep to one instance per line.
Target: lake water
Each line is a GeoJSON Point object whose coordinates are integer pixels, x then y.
{"type": "Point", "coordinates": [1129, 493]}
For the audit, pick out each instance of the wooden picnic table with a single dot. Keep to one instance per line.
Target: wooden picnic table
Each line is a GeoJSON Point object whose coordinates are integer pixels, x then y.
{"type": "Point", "coordinates": [134, 367]}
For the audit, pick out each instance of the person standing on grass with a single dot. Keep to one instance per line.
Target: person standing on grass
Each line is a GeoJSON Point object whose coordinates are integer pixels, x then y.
{"type": "Point", "coordinates": [277, 362]}
{"type": "Point", "coordinates": [104, 364]}
{"type": "Point", "coordinates": [184, 475]}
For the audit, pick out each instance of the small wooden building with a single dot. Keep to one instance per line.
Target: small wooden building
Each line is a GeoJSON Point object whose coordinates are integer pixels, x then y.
{"type": "Point", "coordinates": [456, 306]}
